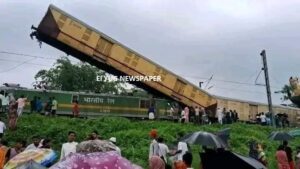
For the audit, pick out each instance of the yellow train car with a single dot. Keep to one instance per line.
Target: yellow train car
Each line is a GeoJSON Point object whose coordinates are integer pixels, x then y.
{"type": "Point", "coordinates": [74, 37]}
{"type": "Point", "coordinates": [247, 109]}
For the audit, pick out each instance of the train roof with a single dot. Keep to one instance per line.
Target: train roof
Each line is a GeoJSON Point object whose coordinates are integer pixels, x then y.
{"type": "Point", "coordinates": [83, 93]}
{"type": "Point", "coordinates": [253, 102]}
{"type": "Point", "coordinates": [116, 42]}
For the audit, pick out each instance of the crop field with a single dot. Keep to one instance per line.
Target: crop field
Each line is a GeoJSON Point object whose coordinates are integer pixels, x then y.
{"type": "Point", "coordinates": [132, 136]}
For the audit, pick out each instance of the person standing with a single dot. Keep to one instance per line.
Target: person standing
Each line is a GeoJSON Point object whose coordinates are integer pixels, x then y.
{"type": "Point", "coordinates": [263, 119]}
{"type": "Point", "coordinates": [289, 154]}
{"type": "Point", "coordinates": [282, 159]}
{"type": "Point", "coordinates": [153, 148]}
{"type": "Point", "coordinates": [2, 128]}
{"type": "Point", "coordinates": [33, 105]}
{"type": "Point", "coordinates": [186, 114]}
{"type": "Point", "coordinates": [12, 114]}
{"type": "Point", "coordinates": [39, 105]}
{"type": "Point", "coordinates": [182, 117]}
{"type": "Point", "coordinates": [75, 109]}
{"type": "Point", "coordinates": [163, 149]}
{"type": "Point", "coordinates": [197, 115]}
{"type": "Point", "coordinates": [70, 146]}
{"type": "Point", "coordinates": [21, 104]}
{"type": "Point", "coordinates": [151, 112]}
{"type": "Point", "coordinates": [48, 106]}
{"type": "Point", "coordinates": [5, 102]}
{"type": "Point", "coordinates": [182, 147]}
{"type": "Point", "coordinates": [220, 115]}
{"type": "Point", "coordinates": [53, 107]}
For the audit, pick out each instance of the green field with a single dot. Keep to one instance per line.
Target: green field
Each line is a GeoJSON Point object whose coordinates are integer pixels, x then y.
{"type": "Point", "coordinates": [132, 136]}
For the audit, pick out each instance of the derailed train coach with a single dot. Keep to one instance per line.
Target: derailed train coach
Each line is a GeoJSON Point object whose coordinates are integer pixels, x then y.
{"type": "Point", "coordinates": [93, 105]}
{"type": "Point", "coordinates": [68, 34]}
{"type": "Point", "coordinates": [247, 109]}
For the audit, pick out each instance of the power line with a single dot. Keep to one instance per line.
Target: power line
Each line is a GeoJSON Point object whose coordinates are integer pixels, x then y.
{"type": "Point", "coordinates": [10, 69]}
{"type": "Point", "coordinates": [17, 61]}
{"type": "Point", "coordinates": [28, 55]}
{"type": "Point", "coordinates": [34, 56]}
{"type": "Point", "coordinates": [226, 81]}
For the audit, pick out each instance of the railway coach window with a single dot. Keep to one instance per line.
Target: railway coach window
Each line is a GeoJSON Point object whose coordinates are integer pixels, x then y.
{"type": "Point", "coordinates": [144, 103]}
{"type": "Point", "coordinates": [74, 98]}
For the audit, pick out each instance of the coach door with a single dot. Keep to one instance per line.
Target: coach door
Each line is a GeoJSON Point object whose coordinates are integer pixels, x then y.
{"type": "Point", "coordinates": [252, 112]}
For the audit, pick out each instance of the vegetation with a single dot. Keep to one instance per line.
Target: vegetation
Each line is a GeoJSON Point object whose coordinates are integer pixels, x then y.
{"type": "Point", "coordinates": [132, 136]}
{"type": "Point", "coordinates": [75, 77]}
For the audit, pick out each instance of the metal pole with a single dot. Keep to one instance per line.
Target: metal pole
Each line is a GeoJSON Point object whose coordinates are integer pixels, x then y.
{"type": "Point", "coordinates": [265, 68]}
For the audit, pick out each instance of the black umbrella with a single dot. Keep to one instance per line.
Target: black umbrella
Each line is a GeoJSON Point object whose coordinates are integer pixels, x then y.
{"type": "Point", "coordinates": [204, 139]}
{"type": "Point", "coordinates": [280, 136]}
{"type": "Point", "coordinates": [224, 135]}
{"type": "Point", "coordinates": [228, 159]}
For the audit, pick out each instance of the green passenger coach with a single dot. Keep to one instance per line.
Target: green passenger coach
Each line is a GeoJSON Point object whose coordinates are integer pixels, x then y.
{"type": "Point", "coordinates": [92, 104]}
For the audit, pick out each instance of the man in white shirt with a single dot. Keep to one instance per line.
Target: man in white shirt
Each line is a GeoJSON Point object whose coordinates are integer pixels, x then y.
{"type": "Point", "coordinates": [2, 128]}
{"type": "Point", "coordinates": [4, 101]}
{"type": "Point", "coordinates": [220, 115]}
{"type": "Point", "coordinates": [35, 143]}
{"type": "Point", "coordinates": [70, 146]}
{"type": "Point", "coordinates": [163, 149]}
{"type": "Point", "coordinates": [263, 119]}
{"type": "Point", "coordinates": [114, 141]}
{"type": "Point", "coordinates": [21, 104]}
{"type": "Point", "coordinates": [182, 148]}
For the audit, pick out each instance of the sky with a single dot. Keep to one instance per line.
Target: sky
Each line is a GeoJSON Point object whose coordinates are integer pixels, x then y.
{"type": "Point", "coordinates": [193, 39]}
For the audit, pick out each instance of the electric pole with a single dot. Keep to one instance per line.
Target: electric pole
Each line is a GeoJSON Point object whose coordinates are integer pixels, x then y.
{"type": "Point", "coordinates": [265, 68]}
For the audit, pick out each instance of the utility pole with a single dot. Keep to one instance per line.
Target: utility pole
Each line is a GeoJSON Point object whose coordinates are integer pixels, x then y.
{"type": "Point", "coordinates": [265, 68]}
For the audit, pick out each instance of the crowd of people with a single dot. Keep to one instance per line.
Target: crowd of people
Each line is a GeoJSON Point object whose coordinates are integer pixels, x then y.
{"type": "Point", "coordinates": [159, 153]}
{"type": "Point", "coordinates": [198, 115]}
{"type": "Point", "coordinates": [7, 153]}
{"type": "Point", "coordinates": [284, 155]}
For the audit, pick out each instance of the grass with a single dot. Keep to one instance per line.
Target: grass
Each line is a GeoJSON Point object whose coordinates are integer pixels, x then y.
{"type": "Point", "coordinates": [132, 136]}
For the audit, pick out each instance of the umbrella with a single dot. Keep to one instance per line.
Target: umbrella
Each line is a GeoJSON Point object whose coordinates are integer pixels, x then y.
{"type": "Point", "coordinates": [31, 165]}
{"type": "Point", "coordinates": [295, 133]}
{"type": "Point", "coordinates": [280, 136]}
{"type": "Point", "coordinates": [105, 160]}
{"type": "Point", "coordinates": [204, 139]}
{"type": "Point", "coordinates": [228, 159]}
{"type": "Point", "coordinates": [95, 146]}
{"type": "Point", "coordinates": [224, 135]}
{"type": "Point", "coordinates": [44, 157]}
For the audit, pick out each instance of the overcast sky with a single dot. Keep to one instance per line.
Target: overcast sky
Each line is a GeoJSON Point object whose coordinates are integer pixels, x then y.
{"type": "Point", "coordinates": [193, 38]}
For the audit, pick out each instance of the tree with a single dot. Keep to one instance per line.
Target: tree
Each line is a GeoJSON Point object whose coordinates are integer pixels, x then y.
{"type": "Point", "coordinates": [75, 77]}
{"type": "Point", "coordinates": [286, 92]}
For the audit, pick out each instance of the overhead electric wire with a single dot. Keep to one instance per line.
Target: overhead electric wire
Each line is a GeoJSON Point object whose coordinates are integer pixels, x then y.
{"type": "Point", "coordinates": [7, 70]}
{"type": "Point", "coordinates": [28, 55]}
{"type": "Point", "coordinates": [17, 61]}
